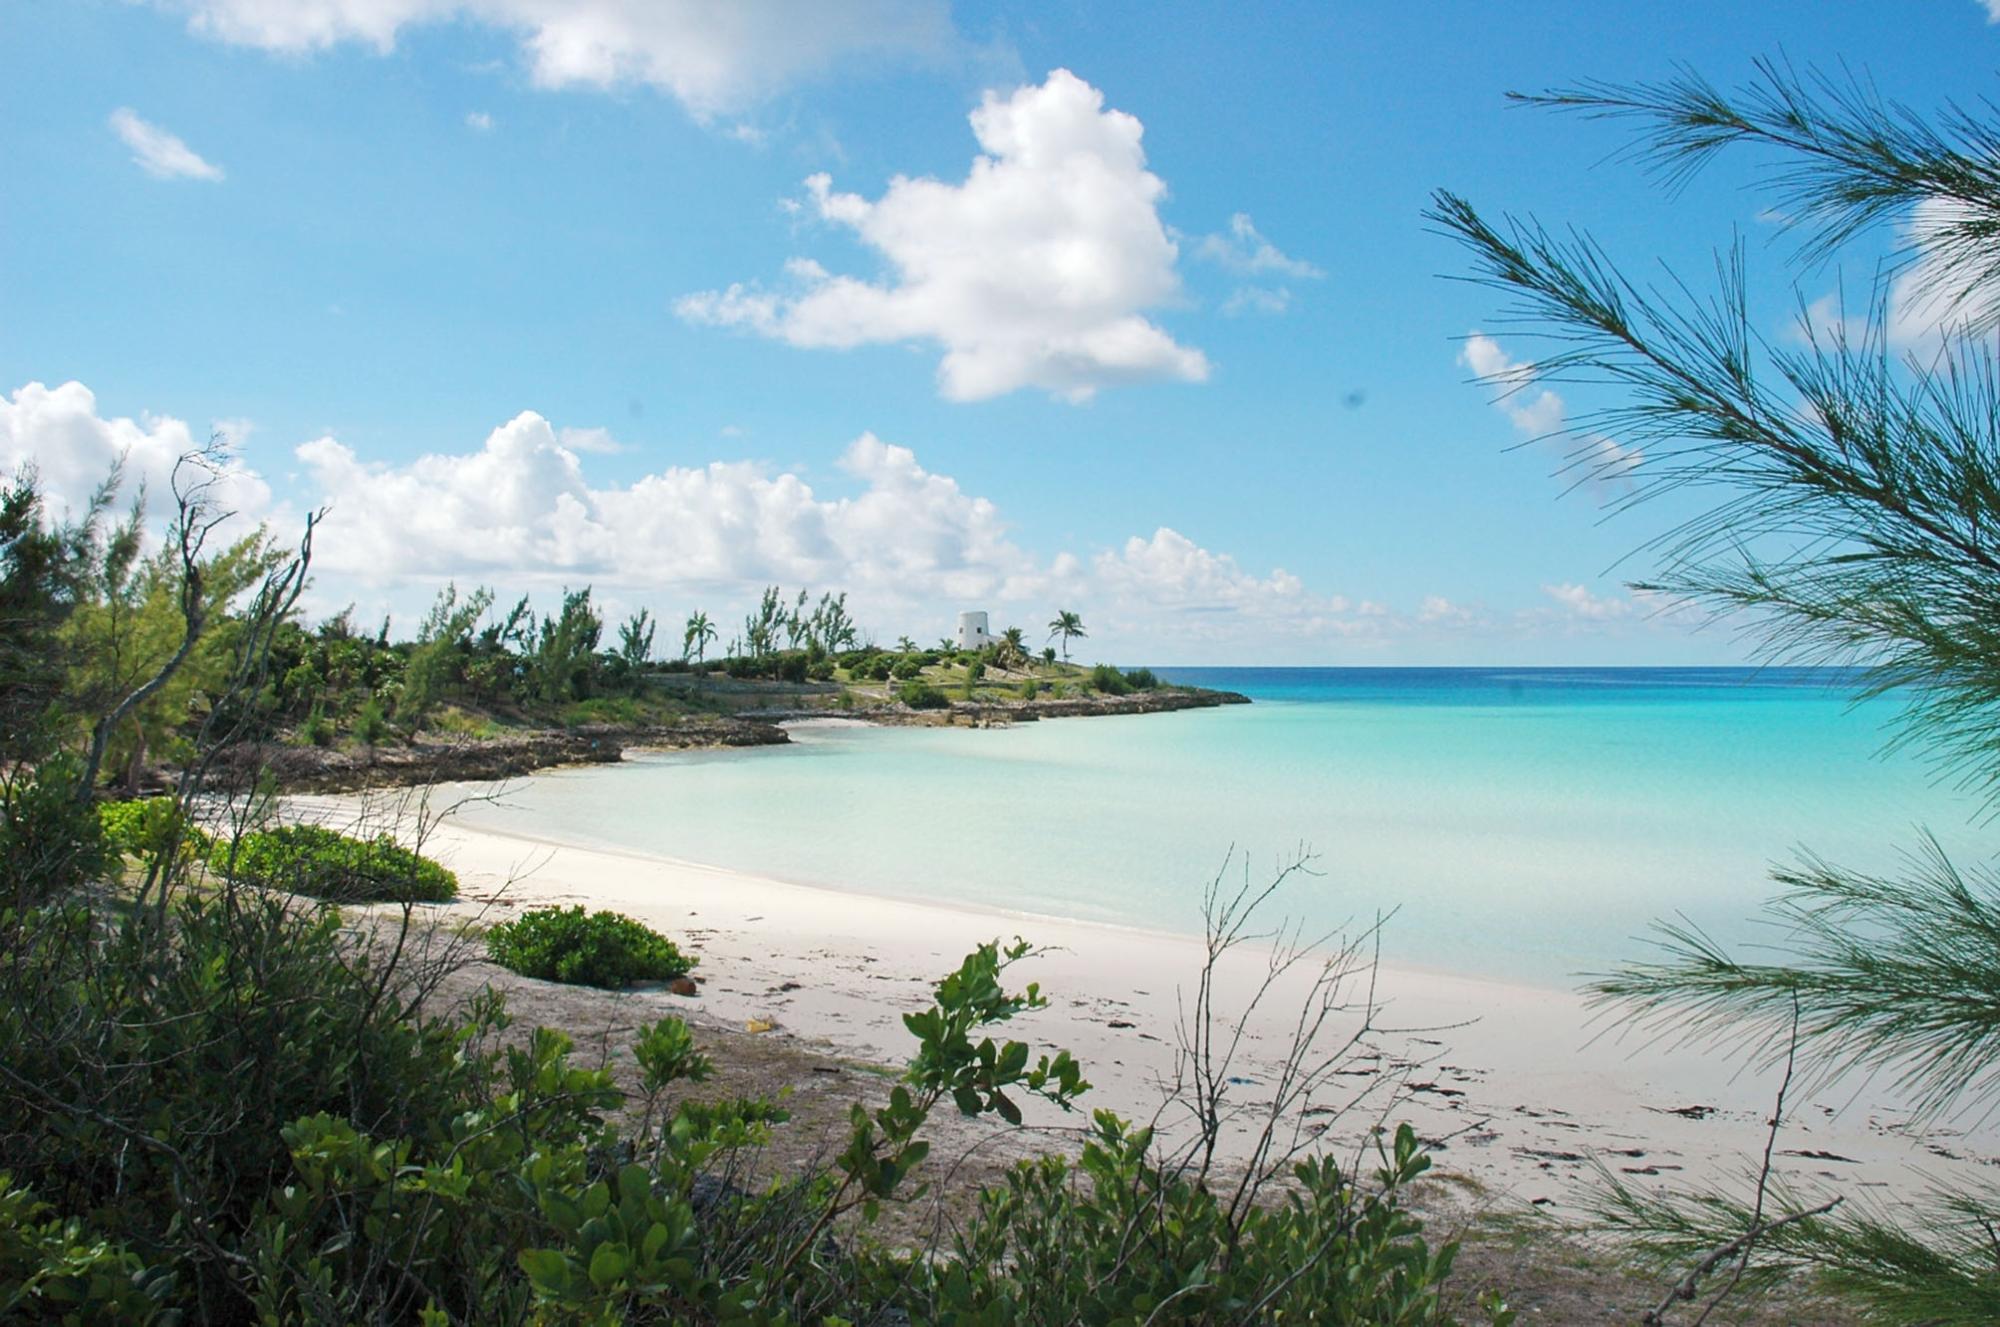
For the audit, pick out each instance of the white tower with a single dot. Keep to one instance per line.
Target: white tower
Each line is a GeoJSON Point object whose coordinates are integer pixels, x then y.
{"type": "Point", "coordinates": [972, 633]}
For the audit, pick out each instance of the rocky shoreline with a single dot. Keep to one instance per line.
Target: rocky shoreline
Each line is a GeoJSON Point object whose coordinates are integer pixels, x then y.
{"type": "Point", "coordinates": [999, 713]}
{"type": "Point", "coordinates": [309, 769]}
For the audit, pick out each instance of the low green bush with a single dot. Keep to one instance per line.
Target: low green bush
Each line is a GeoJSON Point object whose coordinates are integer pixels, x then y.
{"type": "Point", "coordinates": [907, 668]}
{"type": "Point", "coordinates": [371, 725]}
{"type": "Point", "coordinates": [1030, 689]}
{"type": "Point", "coordinates": [922, 696]}
{"type": "Point", "coordinates": [1109, 680]}
{"type": "Point", "coordinates": [49, 841]}
{"type": "Point", "coordinates": [1141, 679]}
{"type": "Point", "coordinates": [145, 827]}
{"type": "Point", "coordinates": [585, 949]}
{"type": "Point", "coordinates": [54, 1269]}
{"type": "Point", "coordinates": [319, 863]}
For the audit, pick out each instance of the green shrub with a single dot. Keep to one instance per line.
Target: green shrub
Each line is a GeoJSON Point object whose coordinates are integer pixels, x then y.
{"type": "Point", "coordinates": [145, 827]}
{"type": "Point", "coordinates": [792, 666]}
{"type": "Point", "coordinates": [1141, 679]}
{"type": "Point", "coordinates": [1109, 680]}
{"type": "Point", "coordinates": [922, 696]}
{"type": "Point", "coordinates": [49, 841]}
{"type": "Point", "coordinates": [317, 729]}
{"type": "Point", "coordinates": [821, 671]}
{"type": "Point", "coordinates": [370, 724]}
{"type": "Point", "coordinates": [353, 1158]}
{"type": "Point", "coordinates": [1030, 689]}
{"type": "Point", "coordinates": [257, 1013]}
{"type": "Point", "coordinates": [53, 1270]}
{"type": "Point", "coordinates": [585, 949]}
{"type": "Point", "coordinates": [907, 668]}
{"type": "Point", "coordinates": [319, 863]}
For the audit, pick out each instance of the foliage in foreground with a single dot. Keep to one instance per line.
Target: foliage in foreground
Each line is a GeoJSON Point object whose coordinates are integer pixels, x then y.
{"type": "Point", "coordinates": [149, 827]}
{"type": "Point", "coordinates": [324, 864]}
{"type": "Point", "coordinates": [1860, 490]}
{"type": "Point", "coordinates": [315, 1146]}
{"type": "Point", "coordinates": [601, 948]}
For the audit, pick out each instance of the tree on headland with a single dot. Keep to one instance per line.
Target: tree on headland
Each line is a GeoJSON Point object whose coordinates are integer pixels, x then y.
{"type": "Point", "coordinates": [1859, 500]}
{"type": "Point", "coordinates": [635, 639]}
{"type": "Point", "coordinates": [153, 632]}
{"type": "Point", "coordinates": [561, 651]}
{"type": "Point", "coordinates": [1067, 626]}
{"type": "Point", "coordinates": [1013, 650]}
{"type": "Point", "coordinates": [698, 636]}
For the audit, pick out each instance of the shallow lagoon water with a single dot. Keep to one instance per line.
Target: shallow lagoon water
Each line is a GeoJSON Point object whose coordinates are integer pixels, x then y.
{"type": "Point", "coordinates": [1521, 824]}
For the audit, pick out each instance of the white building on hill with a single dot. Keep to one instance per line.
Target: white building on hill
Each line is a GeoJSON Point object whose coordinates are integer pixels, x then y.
{"type": "Point", "coordinates": [972, 632]}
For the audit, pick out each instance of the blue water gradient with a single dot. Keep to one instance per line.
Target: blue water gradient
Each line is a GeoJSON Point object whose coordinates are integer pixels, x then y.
{"type": "Point", "coordinates": [1521, 823]}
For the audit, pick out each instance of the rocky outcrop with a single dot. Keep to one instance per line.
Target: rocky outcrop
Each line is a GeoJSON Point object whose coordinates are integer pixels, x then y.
{"type": "Point", "coordinates": [425, 761]}
{"type": "Point", "coordinates": [995, 713]}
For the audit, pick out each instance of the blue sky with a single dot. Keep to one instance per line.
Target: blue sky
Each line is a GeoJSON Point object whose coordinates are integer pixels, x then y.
{"type": "Point", "coordinates": [546, 292]}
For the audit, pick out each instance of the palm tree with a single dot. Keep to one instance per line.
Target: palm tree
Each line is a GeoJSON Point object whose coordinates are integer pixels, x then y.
{"type": "Point", "coordinates": [1069, 626]}
{"type": "Point", "coordinates": [700, 634]}
{"type": "Point", "coordinates": [1012, 653]}
{"type": "Point", "coordinates": [906, 645]}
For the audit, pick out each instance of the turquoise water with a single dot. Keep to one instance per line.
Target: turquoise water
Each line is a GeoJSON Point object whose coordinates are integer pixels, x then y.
{"type": "Point", "coordinates": [1523, 823]}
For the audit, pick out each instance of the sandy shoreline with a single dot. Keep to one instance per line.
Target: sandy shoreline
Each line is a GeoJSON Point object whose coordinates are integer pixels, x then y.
{"type": "Point", "coordinates": [1521, 1089]}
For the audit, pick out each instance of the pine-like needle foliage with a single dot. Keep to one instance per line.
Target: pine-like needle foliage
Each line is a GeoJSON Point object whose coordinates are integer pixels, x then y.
{"type": "Point", "coordinates": [1854, 518]}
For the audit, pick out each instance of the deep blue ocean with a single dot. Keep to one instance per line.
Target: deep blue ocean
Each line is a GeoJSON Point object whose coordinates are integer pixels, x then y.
{"type": "Point", "coordinates": [1525, 823]}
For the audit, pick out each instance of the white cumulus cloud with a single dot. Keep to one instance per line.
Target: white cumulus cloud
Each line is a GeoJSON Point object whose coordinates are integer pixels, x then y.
{"type": "Point", "coordinates": [1035, 271]}
{"type": "Point", "coordinates": [1581, 603]}
{"type": "Point", "coordinates": [1924, 299]}
{"type": "Point", "coordinates": [1170, 588]}
{"type": "Point", "coordinates": [1245, 251]}
{"type": "Point", "coordinates": [1540, 415]}
{"type": "Point", "coordinates": [1257, 299]}
{"type": "Point", "coordinates": [521, 506]}
{"type": "Point", "coordinates": [521, 511]}
{"type": "Point", "coordinates": [715, 56]}
{"type": "Point", "coordinates": [159, 153]}
{"type": "Point", "coordinates": [57, 432]}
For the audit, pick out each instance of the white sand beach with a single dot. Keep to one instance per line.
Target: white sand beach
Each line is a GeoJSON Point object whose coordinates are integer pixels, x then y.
{"type": "Point", "coordinates": [1521, 1089]}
